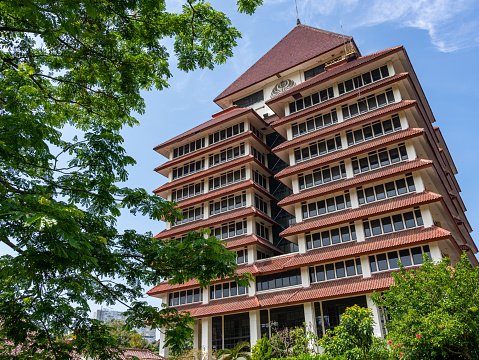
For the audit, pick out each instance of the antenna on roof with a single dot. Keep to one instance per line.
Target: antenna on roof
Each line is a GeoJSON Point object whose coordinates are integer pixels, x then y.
{"type": "Point", "coordinates": [298, 22]}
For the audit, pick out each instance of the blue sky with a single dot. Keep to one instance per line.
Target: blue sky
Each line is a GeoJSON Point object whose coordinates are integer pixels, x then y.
{"type": "Point", "coordinates": [441, 38]}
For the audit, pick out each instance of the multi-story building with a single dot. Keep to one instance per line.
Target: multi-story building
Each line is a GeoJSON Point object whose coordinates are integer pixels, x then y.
{"type": "Point", "coordinates": [105, 314]}
{"type": "Point", "coordinates": [322, 171]}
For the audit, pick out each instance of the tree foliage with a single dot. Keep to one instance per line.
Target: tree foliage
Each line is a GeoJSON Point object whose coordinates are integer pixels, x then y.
{"type": "Point", "coordinates": [127, 338]}
{"type": "Point", "coordinates": [81, 65]}
{"type": "Point", "coordinates": [434, 310]}
{"type": "Point", "coordinates": [262, 349]}
{"type": "Point", "coordinates": [292, 342]}
{"type": "Point", "coordinates": [240, 351]}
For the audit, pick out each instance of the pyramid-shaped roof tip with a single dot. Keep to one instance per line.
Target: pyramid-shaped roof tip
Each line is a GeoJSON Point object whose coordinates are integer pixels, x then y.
{"type": "Point", "coordinates": [301, 44]}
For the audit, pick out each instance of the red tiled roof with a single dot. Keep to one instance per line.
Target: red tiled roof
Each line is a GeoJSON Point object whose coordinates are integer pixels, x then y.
{"type": "Point", "coordinates": [364, 211]}
{"type": "Point", "coordinates": [243, 241]}
{"type": "Point", "coordinates": [351, 151]}
{"type": "Point", "coordinates": [361, 179]}
{"type": "Point", "coordinates": [209, 149]}
{"type": "Point", "coordinates": [340, 99]}
{"type": "Point", "coordinates": [368, 117]}
{"type": "Point", "coordinates": [215, 170]}
{"type": "Point", "coordinates": [221, 117]}
{"type": "Point", "coordinates": [328, 74]}
{"type": "Point", "coordinates": [301, 44]}
{"type": "Point", "coordinates": [230, 189]}
{"type": "Point", "coordinates": [141, 354]}
{"type": "Point", "coordinates": [214, 220]}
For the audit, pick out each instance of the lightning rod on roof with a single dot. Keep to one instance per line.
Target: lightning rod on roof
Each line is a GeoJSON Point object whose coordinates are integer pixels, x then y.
{"type": "Point", "coordinates": [298, 22]}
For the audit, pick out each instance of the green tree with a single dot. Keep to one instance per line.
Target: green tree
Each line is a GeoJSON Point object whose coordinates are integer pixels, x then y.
{"type": "Point", "coordinates": [262, 349]}
{"type": "Point", "coordinates": [434, 310]}
{"type": "Point", "coordinates": [353, 338]}
{"type": "Point", "coordinates": [82, 64]}
{"type": "Point", "coordinates": [236, 353]}
{"type": "Point", "coordinates": [127, 338]}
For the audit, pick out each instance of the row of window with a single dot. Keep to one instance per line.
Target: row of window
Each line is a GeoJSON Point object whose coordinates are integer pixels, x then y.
{"type": "Point", "coordinates": [315, 123]}
{"type": "Point", "coordinates": [241, 256]}
{"type": "Point", "coordinates": [227, 203]}
{"type": "Point", "coordinates": [313, 99]}
{"type": "Point", "coordinates": [328, 205]}
{"type": "Point", "coordinates": [224, 134]}
{"type": "Point", "coordinates": [188, 191]}
{"type": "Point", "coordinates": [231, 229]}
{"type": "Point", "coordinates": [278, 280]}
{"type": "Point", "coordinates": [226, 290]}
{"type": "Point", "coordinates": [191, 214]}
{"type": "Point", "coordinates": [258, 133]}
{"type": "Point", "coordinates": [368, 104]}
{"type": "Point", "coordinates": [322, 175]}
{"type": "Point", "coordinates": [258, 155]}
{"type": "Point", "coordinates": [363, 80]}
{"type": "Point", "coordinates": [408, 257]}
{"type": "Point", "coordinates": [331, 237]}
{"type": "Point", "coordinates": [227, 155]}
{"type": "Point", "coordinates": [379, 158]}
{"type": "Point", "coordinates": [387, 190]}
{"type": "Point", "coordinates": [189, 148]}
{"type": "Point", "coordinates": [260, 204]}
{"type": "Point", "coordinates": [318, 148]}
{"type": "Point", "coordinates": [226, 178]}
{"type": "Point", "coordinates": [372, 130]}
{"type": "Point", "coordinates": [262, 230]}
{"type": "Point", "coordinates": [185, 297]}
{"type": "Point", "coordinates": [392, 223]}
{"type": "Point", "coordinates": [335, 270]}
{"type": "Point", "coordinates": [189, 168]}
{"type": "Point", "coordinates": [259, 179]}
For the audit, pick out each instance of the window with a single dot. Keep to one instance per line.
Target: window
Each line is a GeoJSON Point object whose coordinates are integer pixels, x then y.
{"type": "Point", "coordinates": [227, 155]}
{"type": "Point", "coordinates": [313, 99]}
{"type": "Point", "coordinates": [191, 214]}
{"type": "Point", "coordinates": [241, 256]}
{"type": "Point", "coordinates": [334, 203]}
{"type": "Point", "coordinates": [368, 104]}
{"type": "Point", "coordinates": [331, 237]}
{"type": "Point", "coordinates": [389, 260]}
{"type": "Point", "coordinates": [318, 148]}
{"type": "Point", "coordinates": [262, 230]}
{"type": "Point", "coordinates": [188, 168]}
{"type": "Point", "coordinates": [229, 230]}
{"type": "Point", "coordinates": [227, 203]}
{"type": "Point", "coordinates": [185, 297]}
{"type": "Point", "coordinates": [258, 155]}
{"type": "Point", "coordinates": [372, 130]}
{"type": "Point", "coordinates": [228, 289]}
{"type": "Point", "coordinates": [314, 123]}
{"type": "Point", "coordinates": [392, 223]}
{"type": "Point", "coordinates": [260, 204]}
{"type": "Point", "coordinates": [387, 190]}
{"type": "Point", "coordinates": [363, 80]}
{"type": "Point", "coordinates": [259, 179]}
{"type": "Point", "coordinates": [308, 74]}
{"type": "Point", "coordinates": [226, 178]}
{"type": "Point", "coordinates": [258, 133]}
{"type": "Point", "coordinates": [249, 100]}
{"type": "Point", "coordinates": [224, 134]}
{"type": "Point", "coordinates": [322, 175]}
{"type": "Point", "coordinates": [337, 270]}
{"type": "Point", "coordinates": [379, 158]}
{"type": "Point", "coordinates": [188, 148]}
{"type": "Point", "coordinates": [236, 330]}
{"type": "Point", "coordinates": [278, 280]}
{"type": "Point", "coordinates": [187, 191]}
{"type": "Point", "coordinates": [261, 255]}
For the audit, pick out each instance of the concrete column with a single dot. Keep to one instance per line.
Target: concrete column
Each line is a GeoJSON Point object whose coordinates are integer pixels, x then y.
{"type": "Point", "coordinates": [251, 254]}
{"type": "Point", "coordinates": [250, 226]}
{"type": "Point", "coordinates": [206, 334]}
{"type": "Point", "coordinates": [196, 335]}
{"type": "Point", "coordinates": [354, 198]}
{"type": "Point", "coordinates": [298, 213]}
{"type": "Point", "coordinates": [344, 140]}
{"type": "Point", "coordinates": [170, 175]}
{"type": "Point", "coordinates": [366, 270]}
{"type": "Point", "coordinates": [247, 148]}
{"type": "Point", "coordinates": [249, 172]}
{"type": "Point", "coordinates": [254, 327]}
{"type": "Point", "coordinates": [397, 93]}
{"type": "Point", "coordinates": [247, 125]}
{"type": "Point", "coordinates": [302, 243]}
{"type": "Point", "coordinates": [418, 183]}
{"type": "Point", "coordinates": [358, 225]}
{"type": "Point", "coordinates": [309, 318]}
{"type": "Point", "coordinates": [206, 210]}
{"type": "Point", "coordinates": [349, 168]}
{"type": "Point", "coordinates": [164, 351]}
{"type": "Point", "coordinates": [305, 280]}
{"type": "Point", "coordinates": [252, 287]}
{"type": "Point", "coordinates": [339, 113]}
{"type": "Point", "coordinates": [411, 151]}
{"type": "Point", "coordinates": [295, 183]}
{"type": "Point", "coordinates": [289, 133]}
{"type": "Point", "coordinates": [207, 161]}
{"type": "Point", "coordinates": [427, 218]}
{"type": "Point", "coordinates": [206, 296]}
{"type": "Point", "coordinates": [377, 320]}
{"type": "Point", "coordinates": [292, 160]}
{"type": "Point", "coordinates": [403, 119]}
{"type": "Point", "coordinates": [436, 254]}
{"type": "Point", "coordinates": [391, 68]}
{"type": "Point", "coordinates": [249, 197]}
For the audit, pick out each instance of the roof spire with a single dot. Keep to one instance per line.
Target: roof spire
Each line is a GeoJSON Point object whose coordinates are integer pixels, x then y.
{"type": "Point", "coordinates": [298, 22]}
